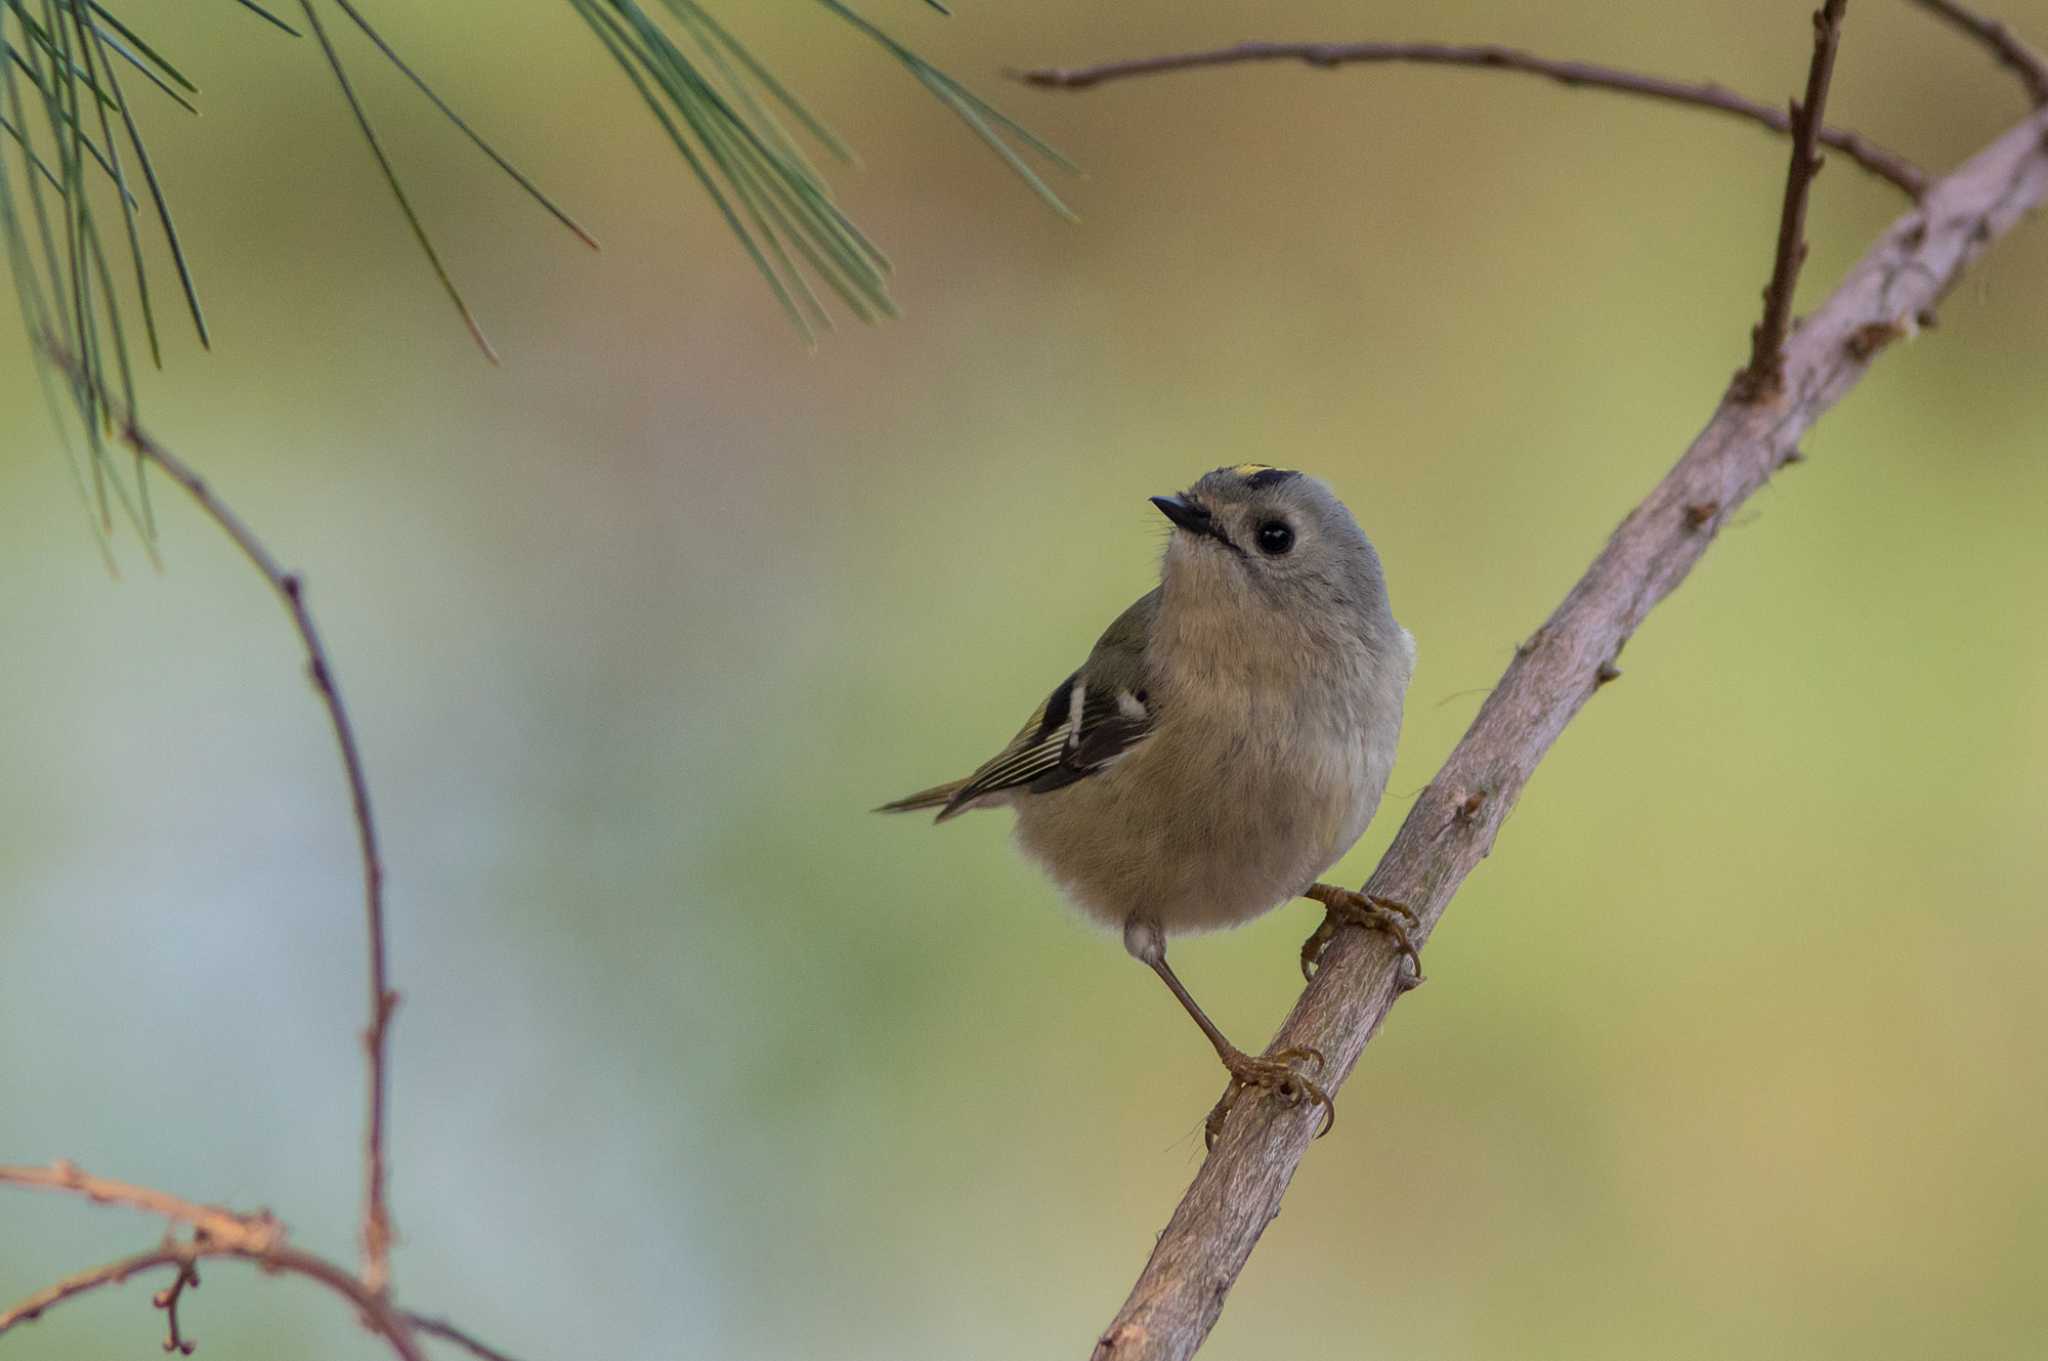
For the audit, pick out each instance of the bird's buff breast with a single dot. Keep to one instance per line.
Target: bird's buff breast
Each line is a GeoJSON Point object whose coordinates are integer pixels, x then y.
{"type": "Point", "coordinates": [1249, 824]}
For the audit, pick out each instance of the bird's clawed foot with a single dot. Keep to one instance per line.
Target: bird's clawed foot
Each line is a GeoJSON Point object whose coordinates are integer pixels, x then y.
{"type": "Point", "coordinates": [1348, 907]}
{"type": "Point", "coordinates": [1277, 1073]}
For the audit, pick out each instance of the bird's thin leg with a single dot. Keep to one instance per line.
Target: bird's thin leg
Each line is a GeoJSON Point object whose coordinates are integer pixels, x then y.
{"type": "Point", "coordinates": [1349, 907]}
{"type": "Point", "coordinates": [1273, 1071]}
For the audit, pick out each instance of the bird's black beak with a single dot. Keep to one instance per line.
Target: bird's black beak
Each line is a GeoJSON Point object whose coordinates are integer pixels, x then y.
{"type": "Point", "coordinates": [1187, 514]}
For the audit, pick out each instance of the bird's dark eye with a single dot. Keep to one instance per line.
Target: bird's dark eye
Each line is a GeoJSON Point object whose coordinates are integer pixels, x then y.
{"type": "Point", "coordinates": [1275, 538]}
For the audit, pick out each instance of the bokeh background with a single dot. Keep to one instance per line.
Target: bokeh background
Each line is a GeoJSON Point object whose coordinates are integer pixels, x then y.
{"type": "Point", "coordinates": [1734, 1046]}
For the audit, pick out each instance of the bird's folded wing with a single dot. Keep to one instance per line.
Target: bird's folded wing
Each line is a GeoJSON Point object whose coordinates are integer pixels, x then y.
{"type": "Point", "coordinates": [1081, 728]}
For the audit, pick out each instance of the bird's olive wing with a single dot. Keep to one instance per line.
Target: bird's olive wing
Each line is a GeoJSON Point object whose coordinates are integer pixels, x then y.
{"type": "Point", "coordinates": [1088, 721]}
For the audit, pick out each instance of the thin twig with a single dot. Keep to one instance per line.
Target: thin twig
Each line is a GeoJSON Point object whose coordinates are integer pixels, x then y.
{"type": "Point", "coordinates": [2030, 66]}
{"type": "Point", "coordinates": [1453, 824]}
{"type": "Point", "coordinates": [216, 1232]}
{"type": "Point", "coordinates": [448, 1332]}
{"type": "Point", "coordinates": [254, 1231]}
{"type": "Point", "coordinates": [374, 1309]}
{"type": "Point", "coordinates": [291, 589]}
{"type": "Point", "coordinates": [1888, 165]}
{"type": "Point", "coordinates": [1763, 378]}
{"type": "Point", "coordinates": [113, 1273]}
{"type": "Point", "coordinates": [167, 1300]}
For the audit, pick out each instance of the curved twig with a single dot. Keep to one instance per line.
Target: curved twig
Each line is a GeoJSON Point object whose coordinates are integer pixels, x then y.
{"type": "Point", "coordinates": [448, 1332]}
{"type": "Point", "coordinates": [113, 1273]}
{"type": "Point", "coordinates": [167, 1300]}
{"type": "Point", "coordinates": [257, 1231]}
{"type": "Point", "coordinates": [375, 1309]}
{"type": "Point", "coordinates": [1888, 165]}
{"type": "Point", "coordinates": [291, 590]}
{"type": "Point", "coordinates": [1453, 823]}
{"type": "Point", "coordinates": [2023, 61]}
{"type": "Point", "coordinates": [216, 1232]}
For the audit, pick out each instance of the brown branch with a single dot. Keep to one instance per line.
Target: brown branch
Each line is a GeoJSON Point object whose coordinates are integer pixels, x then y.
{"type": "Point", "coordinates": [1877, 160]}
{"type": "Point", "coordinates": [216, 1232]}
{"type": "Point", "coordinates": [1763, 378]}
{"type": "Point", "coordinates": [1454, 822]}
{"type": "Point", "coordinates": [167, 1300]}
{"type": "Point", "coordinates": [219, 1232]}
{"type": "Point", "coordinates": [255, 1231]}
{"type": "Point", "coordinates": [291, 589]}
{"type": "Point", "coordinates": [448, 1332]}
{"type": "Point", "coordinates": [113, 1273]}
{"type": "Point", "coordinates": [2030, 66]}
{"type": "Point", "coordinates": [373, 1308]}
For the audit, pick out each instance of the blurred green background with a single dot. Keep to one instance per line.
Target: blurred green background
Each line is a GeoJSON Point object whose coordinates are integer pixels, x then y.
{"type": "Point", "coordinates": [1734, 1046]}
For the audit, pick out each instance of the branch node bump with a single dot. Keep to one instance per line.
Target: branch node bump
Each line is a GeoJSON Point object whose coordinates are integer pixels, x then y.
{"type": "Point", "coordinates": [1866, 340]}
{"type": "Point", "coordinates": [1607, 671]}
{"type": "Point", "coordinates": [1697, 516]}
{"type": "Point", "coordinates": [167, 1300]}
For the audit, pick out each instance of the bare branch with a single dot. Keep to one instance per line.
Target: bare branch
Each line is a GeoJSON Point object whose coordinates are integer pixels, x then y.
{"type": "Point", "coordinates": [216, 1232]}
{"type": "Point", "coordinates": [291, 590]}
{"type": "Point", "coordinates": [1763, 379]}
{"type": "Point", "coordinates": [448, 1332]}
{"type": "Point", "coordinates": [2030, 66]}
{"type": "Point", "coordinates": [167, 1300]}
{"type": "Point", "coordinates": [257, 1232]}
{"type": "Point", "coordinates": [1887, 165]}
{"type": "Point", "coordinates": [1453, 823]}
{"type": "Point", "coordinates": [113, 1273]}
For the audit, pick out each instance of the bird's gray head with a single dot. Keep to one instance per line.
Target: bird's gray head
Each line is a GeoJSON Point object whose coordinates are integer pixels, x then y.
{"type": "Point", "coordinates": [1254, 536]}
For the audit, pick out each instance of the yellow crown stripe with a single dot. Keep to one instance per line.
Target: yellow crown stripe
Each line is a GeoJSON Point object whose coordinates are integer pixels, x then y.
{"type": "Point", "coordinates": [1250, 469]}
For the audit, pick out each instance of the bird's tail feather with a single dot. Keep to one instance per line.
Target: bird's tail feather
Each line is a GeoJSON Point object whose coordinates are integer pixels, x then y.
{"type": "Point", "coordinates": [938, 796]}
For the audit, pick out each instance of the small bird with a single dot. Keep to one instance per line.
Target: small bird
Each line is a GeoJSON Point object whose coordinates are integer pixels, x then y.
{"type": "Point", "coordinates": [1227, 740]}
